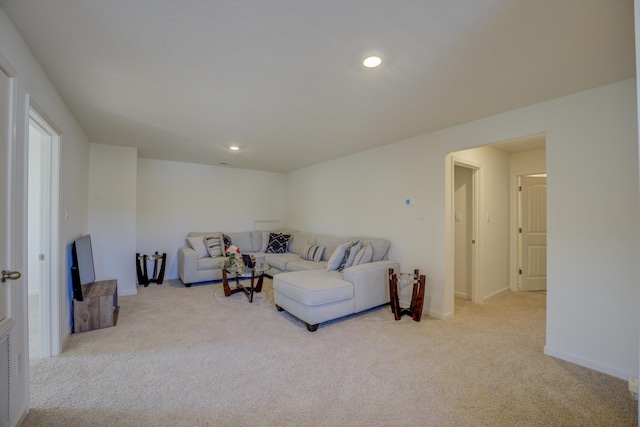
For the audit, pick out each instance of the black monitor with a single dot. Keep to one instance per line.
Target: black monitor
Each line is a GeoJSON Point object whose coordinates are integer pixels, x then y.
{"type": "Point", "coordinates": [82, 272]}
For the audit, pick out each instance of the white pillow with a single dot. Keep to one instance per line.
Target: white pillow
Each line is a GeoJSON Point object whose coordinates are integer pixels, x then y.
{"type": "Point", "coordinates": [337, 256]}
{"type": "Point", "coordinates": [364, 255]}
{"type": "Point", "coordinates": [265, 241]}
{"type": "Point", "coordinates": [197, 243]}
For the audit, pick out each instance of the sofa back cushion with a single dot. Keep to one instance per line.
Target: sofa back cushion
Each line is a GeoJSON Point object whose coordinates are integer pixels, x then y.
{"type": "Point", "coordinates": [299, 239]}
{"type": "Point", "coordinates": [330, 244]}
{"type": "Point", "coordinates": [380, 247]}
{"type": "Point", "coordinates": [243, 240]}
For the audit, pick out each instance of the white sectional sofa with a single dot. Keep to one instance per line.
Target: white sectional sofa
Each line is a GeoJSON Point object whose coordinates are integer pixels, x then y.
{"type": "Point", "coordinates": [316, 278]}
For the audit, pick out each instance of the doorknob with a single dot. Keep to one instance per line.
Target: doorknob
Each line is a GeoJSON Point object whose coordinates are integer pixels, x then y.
{"type": "Point", "coordinates": [9, 275]}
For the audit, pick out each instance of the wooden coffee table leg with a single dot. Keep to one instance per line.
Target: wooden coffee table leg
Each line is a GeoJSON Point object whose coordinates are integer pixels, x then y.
{"type": "Point", "coordinates": [252, 288]}
{"type": "Point", "coordinates": [225, 284]}
{"type": "Point", "coordinates": [260, 279]}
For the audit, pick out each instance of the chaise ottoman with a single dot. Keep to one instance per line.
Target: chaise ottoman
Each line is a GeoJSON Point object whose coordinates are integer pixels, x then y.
{"type": "Point", "coordinates": [317, 296]}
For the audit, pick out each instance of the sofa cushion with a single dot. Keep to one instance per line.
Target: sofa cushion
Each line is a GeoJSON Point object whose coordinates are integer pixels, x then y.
{"type": "Point", "coordinates": [197, 244]}
{"type": "Point", "coordinates": [243, 240]}
{"type": "Point", "coordinates": [280, 261]}
{"type": "Point", "coordinates": [209, 263]}
{"type": "Point", "coordinates": [312, 252]}
{"type": "Point", "coordinates": [278, 243]}
{"type": "Point", "coordinates": [330, 244]}
{"type": "Point", "coordinates": [298, 241]}
{"type": "Point", "coordinates": [380, 247]}
{"type": "Point", "coordinates": [338, 255]}
{"type": "Point", "coordinates": [301, 265]}
{"type": "Point", "coordinates": [313, 287]}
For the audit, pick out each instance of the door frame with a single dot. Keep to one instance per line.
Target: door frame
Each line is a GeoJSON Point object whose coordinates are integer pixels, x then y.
{"type": "Point", "coordinates": [50, 342]}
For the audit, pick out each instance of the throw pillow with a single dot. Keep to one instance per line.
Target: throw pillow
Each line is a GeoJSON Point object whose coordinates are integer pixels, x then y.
{"type": "Point", "coordinates": [213, 246]}
{"type": "Point", "coordinates": [226, 241]}
{"type": "Point", "coordinates": [337, 256]}
{"type": "Point", "coordinates": [349, 255]}
{"type": "Point", "coordinates": [364, 255]}
{"type": "Point", "coordinates": [265, 241]}
{"type": "Point", "coordinates": [353, 252]}
{"type": "Point", "coordinates": [312, 252]}
{"type": "Point", "coordinates": [278, 243]}
{"type": "Point", "coordinates": [197, 244]}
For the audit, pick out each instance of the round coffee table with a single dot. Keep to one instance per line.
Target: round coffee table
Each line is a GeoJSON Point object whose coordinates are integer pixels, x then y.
{"type": "Point", "coordinates": [244, 272]}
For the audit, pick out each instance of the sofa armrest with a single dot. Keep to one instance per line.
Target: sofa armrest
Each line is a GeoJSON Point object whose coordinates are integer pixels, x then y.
{"type": "Point", "coordinates": [187, 265]}
{"type": "Point", "coordinates": [370, 283]}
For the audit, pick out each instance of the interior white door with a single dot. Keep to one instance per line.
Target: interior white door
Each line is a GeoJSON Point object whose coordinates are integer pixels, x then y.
{"type": "Point", "coordinates": [533, 199]}
{"type": "Point", "coordinates": [13, 376]}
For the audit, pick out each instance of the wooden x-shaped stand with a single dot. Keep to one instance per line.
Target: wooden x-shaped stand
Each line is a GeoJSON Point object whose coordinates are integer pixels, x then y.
{"type": "Point", "coordinates": [417, 297]}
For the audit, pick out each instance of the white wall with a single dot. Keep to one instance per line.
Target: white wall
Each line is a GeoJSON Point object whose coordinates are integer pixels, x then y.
{"type": "Point", "coordinates": [112, 214]}
{"type": "Point", "coordinates": [593, 215]}
{"type": "Point", "coordinates": [174, 198]}
{"type": "Point", "coordinates": [33, 85]}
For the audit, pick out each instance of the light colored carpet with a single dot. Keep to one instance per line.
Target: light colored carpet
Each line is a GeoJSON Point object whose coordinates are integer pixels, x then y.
{"type": "Point", "coordinates": [192, 357]}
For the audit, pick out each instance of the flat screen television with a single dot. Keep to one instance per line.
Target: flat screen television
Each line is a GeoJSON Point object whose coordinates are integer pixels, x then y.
{"type": "Point", "coordinates": [82, 272]}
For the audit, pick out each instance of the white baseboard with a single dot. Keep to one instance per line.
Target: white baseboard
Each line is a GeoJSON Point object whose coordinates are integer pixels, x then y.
{"type": "Point", "coordinates": [462, 295]}
{"type": "Point", "coordinates": [496, 294]}
{"type": "Point", "coordinates": [589, 364]}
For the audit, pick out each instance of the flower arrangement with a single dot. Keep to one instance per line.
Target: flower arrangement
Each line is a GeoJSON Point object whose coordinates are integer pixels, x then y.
{"type": "Point", "coordinates": [235, 257]}
{"type": "Point", "coordinates": [232, 250]}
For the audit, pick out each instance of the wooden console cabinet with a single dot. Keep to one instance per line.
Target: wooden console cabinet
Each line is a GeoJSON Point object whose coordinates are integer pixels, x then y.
{"type": "Point", "coordinates": [99, 308]}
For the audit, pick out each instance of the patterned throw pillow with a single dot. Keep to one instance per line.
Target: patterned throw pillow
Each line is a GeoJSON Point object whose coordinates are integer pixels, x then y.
{"type": "Point", "coordinates": [364, 255]}
{"type": "Point", "coordinates": [278, 243]}
{"type": "Point", "coordinates": [349, 255]}
{"type": "Point", "coordinates": [337, 256]}
{"type": "Point", "coordinates": [226, 241]}
{"type": "Point", "coordinates": [213, 246]}
{"type": "Point", "coordinates": [312, 252]}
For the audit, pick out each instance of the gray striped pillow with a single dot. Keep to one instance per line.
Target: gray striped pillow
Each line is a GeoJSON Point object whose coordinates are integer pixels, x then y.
{"type": "Point", "coordinates": [213, 246]}
{"type": "Point", "coordinates": [312, 252]}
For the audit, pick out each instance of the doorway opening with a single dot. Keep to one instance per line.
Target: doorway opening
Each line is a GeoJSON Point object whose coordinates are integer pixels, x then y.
{"type": "Point", "coordinates": [43, 236]}
{"type": "Point", "coordinates": [484, 263]}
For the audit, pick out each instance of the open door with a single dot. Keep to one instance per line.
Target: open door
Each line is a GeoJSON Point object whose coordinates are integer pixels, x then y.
{"type": "Point", "coordinates": [13, 373]}
{"type": "Point", "coordinates": [533, 233]}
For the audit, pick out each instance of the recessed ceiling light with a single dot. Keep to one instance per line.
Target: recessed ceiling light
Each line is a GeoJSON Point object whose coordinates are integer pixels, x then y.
{"type": "Point", "coordinates": [234, 148]}
{"type": "Point", "coordinates": [372, 61]}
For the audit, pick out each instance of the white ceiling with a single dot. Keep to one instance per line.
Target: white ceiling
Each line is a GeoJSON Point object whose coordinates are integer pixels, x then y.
{"type": "Point", "coordinates": [183, 80]}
